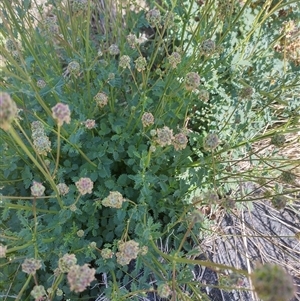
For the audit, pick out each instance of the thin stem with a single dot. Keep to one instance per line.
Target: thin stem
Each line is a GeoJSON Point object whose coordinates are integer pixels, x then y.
{"type": "Point", "coordinates": [87, 49]}
{"type": "Point", "coordinates": [58, 151]}
{"type": "Point", "coordinates": [204, 263]}
{"type": "Point", "coordinates": [35, 227]}
{"type": "Point", "coordinates": [27, 208]}
{"type": "Point", "coordinates": [23, 288]}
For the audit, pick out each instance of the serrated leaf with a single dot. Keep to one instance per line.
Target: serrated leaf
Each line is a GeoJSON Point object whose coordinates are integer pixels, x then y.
{"type": "Point", "coordinates": [123, 180]}
{"type": "Point", "coordinates": [115, 137]}
{"type": "Point", "coordinates": [5, 214]}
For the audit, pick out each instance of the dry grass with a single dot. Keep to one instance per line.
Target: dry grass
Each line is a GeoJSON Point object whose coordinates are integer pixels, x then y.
{"type": "Point", "coordinates": [256, 232]}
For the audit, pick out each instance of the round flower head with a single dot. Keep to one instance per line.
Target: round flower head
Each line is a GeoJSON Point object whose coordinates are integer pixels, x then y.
{"type": "Point", "coordinates": [288, 177]}
{"type": "Point", "coordinates": [131, 40]}
{"type": "Point", "coordinates": [169, 20]}
{"type": "Point", "coordinates": [153, 133]}
{"type": "Point", "coordinates": [66, 262]}
{"type": "Point", "coordinates": [62, 113]}
{"type": "Point", "coordinates": [37, 128]}
{"type": "Point", "coordinates": [278, 140]}
{"type": "Point", "coordinates": [127, 251]}
{"type": "Point", "coordinates": [73, 67]}
{"type": "Point", "coordinates": [153, 17]}
{"type": "Point", "coordinates": [37, 189]}
{"type": "Point", "coordinates": [16, 56]}
{"type": "Point", "coordinates": [40, 140]}
{"type": "Point", "coordinates": [159, 72]}
{"type": "Point", "coordinates": [246, 93]}
{"type": "Point", "coordinates": [164, 136]}
{"type": "Point", "coordinates": [192, 81]}
{"type": "Point", "coordinates": [279, 202]}
{"type": "Point", "coordinates": [107, 253]}
{"type": "Point", "coordinates": [272, 283]}
{"type": "Point", "coordinates": [62, 188]}
{"type": "Point", "coordinates": [31, 265]}
{"type": "Point", "coordinates": [129, 248]}
{"type": "Point", "coordinates": [8, 110]}
{"type": "Point", "coordinates": [93, 245]}
{"type": "Point", "coordinates": [42, 145]}
{"type": "Point", "coordinates": [80, 233]}
{"type": "Point", "coordinates": [180, 141]}
{"type": "Point", "coordinates": [152, 148]}
{"type": "Point", "coordinates": [41, 84]}
{"type": "Point", "coordinates": [79, 277]}
{"type": "Point", "coordinates": [84, 185]}
{"type": "Point", "coordinates": [211, 142]}
{"type": "Point", "coordinates": [203, 95]}
{"type": "Point", "coordinates": [101, 99]}
{"type": "Point", "coordinates": [38, 292]}
{"type": "Point", "coordinates": [10, 45]}
{"type": "Point", "coordinates": [73, 207]}
{"type": "Point", "coordinates": [229, 203]}
{"type": "Point", "coordinates": [50, 26]}
{"type": "Point", "coordinates": [114, 200]}
{"type": "Point", "coordinates": [174, 59]}
{"type": "Point", "coordinates": [147, 119]}
{"type": "Point", "coordinates": [289, 28]}
{"type": "Point", "coordinates": [124, 62]}
{"type": "Point", "coordinates": [208, 46]}
{"type": "Point", "coordinates": [3, 250]}
{"type": "Point", "coordinates": [140, 64]}
{"type": "Point", "coordinates": [164, 290]}
{"type": "Point", "coordinates": [143, 250]}
{"type": "Point", "coordinates": [59, 292]}
{"type": "Point", "coordinates": [90, 124]}
{"type": "Point", "coordinates": [113, 49]}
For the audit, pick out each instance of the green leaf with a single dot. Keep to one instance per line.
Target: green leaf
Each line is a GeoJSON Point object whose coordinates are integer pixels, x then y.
{"type": "Point", "coordinates": [123, 180]}
{"type": "Point", "coordinates": [27, 176]}
{"type": "Point", "coordinates": [110, 184]}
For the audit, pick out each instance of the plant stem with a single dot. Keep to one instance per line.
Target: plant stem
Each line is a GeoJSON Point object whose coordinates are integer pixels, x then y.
{"type": "Point", "coordinates": [58, 151]}
{"type": "Point", "coordinates": [19, 141]}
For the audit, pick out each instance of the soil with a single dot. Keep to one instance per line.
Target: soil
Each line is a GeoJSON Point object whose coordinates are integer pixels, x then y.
{"type": "Point", "coordinates": [270, 238]}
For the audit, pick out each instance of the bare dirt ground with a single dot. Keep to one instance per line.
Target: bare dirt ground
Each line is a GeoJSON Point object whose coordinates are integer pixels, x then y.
{"type": "Point", "coordinates": [255, 236]}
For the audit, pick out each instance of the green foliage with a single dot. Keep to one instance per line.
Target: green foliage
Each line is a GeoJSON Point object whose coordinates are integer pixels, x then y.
{"type": "Point", "coordinates": [161, 172]}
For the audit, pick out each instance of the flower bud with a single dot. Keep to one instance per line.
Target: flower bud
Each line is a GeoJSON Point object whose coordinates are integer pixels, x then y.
{"type": "Point", "coordinates": [37, 189]}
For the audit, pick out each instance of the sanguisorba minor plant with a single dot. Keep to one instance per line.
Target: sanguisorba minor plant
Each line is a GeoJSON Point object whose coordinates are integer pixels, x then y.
{"type": "Point", "coordinates": [119, 124]}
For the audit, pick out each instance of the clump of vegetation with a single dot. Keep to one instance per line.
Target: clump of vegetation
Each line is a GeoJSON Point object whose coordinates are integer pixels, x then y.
{"type": "Point", "coordinates": [125, 128]}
